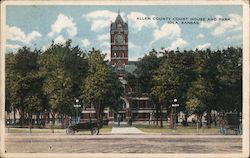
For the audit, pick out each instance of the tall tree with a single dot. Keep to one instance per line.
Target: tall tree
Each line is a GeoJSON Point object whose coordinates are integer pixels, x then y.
{"type": "Point", "coordinates": [101, 87]}
{"type": "Point", "coordinates": [146, 70]}
{"type": "Point", "coordinates": [230, 80]}
{"type": "Point", "coordinates": [25, 83]}
{"type": "Point", "coordinates": [64, 68]}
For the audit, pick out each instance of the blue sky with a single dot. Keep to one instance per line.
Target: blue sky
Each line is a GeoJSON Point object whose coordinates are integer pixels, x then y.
{"type": "Point", "coordinates": [88, 26]}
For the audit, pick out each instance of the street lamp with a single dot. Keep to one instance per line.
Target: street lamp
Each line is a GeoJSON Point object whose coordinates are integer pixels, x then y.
{"type": "Point", "coordinates": [174, 105]}
{"type": "Point", "coordinates": [77, 105]}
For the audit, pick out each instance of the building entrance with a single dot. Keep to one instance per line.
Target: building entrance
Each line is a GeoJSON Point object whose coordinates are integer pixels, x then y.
{"type": "Point", "coordinates": [120, 116]}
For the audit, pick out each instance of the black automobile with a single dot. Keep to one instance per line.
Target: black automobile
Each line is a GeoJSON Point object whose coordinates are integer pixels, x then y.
{"type": "Point", "coordinates": [234, 122]}
{"type": "Point", "coordinates": [93, 126]}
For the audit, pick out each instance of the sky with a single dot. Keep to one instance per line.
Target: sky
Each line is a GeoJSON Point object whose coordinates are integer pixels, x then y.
{"type": "Point", "coordinates": [154, 26]}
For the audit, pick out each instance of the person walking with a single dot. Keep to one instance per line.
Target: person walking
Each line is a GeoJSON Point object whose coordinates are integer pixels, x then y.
{"type": "Point", "coordinates": [223, 125]}
{"type": "Point", "coordinates": [119, 119]}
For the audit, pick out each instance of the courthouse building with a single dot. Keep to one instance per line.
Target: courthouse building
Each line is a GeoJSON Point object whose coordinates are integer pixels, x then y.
{"type": "Point", "coordinates": [137, 108]}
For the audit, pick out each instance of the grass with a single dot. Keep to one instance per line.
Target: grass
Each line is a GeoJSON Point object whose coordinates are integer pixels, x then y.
{"type": "Point", "coordinates": [147, 129]}
{"type": "Point", "coordinates": [33, 130]}
{"type": "Point", "coordinates": [104, 129]}
{"type": "Point", "coordinates": [179, 129]}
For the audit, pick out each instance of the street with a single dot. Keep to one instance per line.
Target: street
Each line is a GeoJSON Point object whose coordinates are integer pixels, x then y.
{"type": "Point", "coordinates": [121, 143]}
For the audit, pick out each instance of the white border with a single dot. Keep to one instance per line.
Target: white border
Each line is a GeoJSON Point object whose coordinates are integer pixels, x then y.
{"type": "Point", "coordinates": [246, 73]}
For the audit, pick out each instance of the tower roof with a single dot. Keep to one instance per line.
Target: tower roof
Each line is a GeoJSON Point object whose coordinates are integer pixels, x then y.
{"type": "Point", "coordinates": [119, 20]}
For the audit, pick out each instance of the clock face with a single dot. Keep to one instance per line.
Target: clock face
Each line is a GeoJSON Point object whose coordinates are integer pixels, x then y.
{"type": "Point", "coordinates": [119, 39]}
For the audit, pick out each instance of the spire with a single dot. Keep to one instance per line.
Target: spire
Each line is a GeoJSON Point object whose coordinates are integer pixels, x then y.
{"type": "Point", "coordinates": [118, 18]}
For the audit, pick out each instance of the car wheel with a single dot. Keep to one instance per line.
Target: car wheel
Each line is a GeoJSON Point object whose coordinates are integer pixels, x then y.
{"type": "Point", "coordinates": [94, 131]}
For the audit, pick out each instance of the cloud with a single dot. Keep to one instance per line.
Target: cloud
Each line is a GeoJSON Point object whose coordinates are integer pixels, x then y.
{"type": "Point", "coordinates": [132, 45]}
{"type": "Point", "coordinates": [16, 34]}
{"type": "Point", "coordinates": [235, 37]}
{"type": "Point", "coordinates": [101, 19]}
{"type": "Point", "coordinates": [138, 25]}
{"type": "Point", "coordinates": [45, 47]}
{"type": "Point", "coordinates": [178, 43]}
{"type": "Point", "coordinates": [32, 36]}
{"type": "Point", "coordinates": [13, 47]}
{"type": "Point", "coordinates": [203, 46]}
{"type": "Point", "coordinates": [85, 42]}
{"type": "Point", "coordinates": [167, 31]}
{"type": "Point", "coordinates": [235, 24]}
{"type": "Point", "coordinates": [60, 40]}
{"type": "Point", "coordinates": [63, 23]}
{"type": "Point", "coordinates": [105, 44]}
{"type": "Point", "coordinates": [103, 37]}
{"type": "Point", "coordinates": [210, 24]}
{"type": "Point", "coordinates": [220, 27]}
{"type": "Point", "coordinates": [200, 35]}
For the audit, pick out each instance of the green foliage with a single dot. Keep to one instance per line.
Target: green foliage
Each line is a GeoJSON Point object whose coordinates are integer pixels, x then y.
{"type": "Point", "coordinates": [64, 68]}
{"type": "Point", "coordinates": [24, 83]}
{"type": "Point", "coordinates": [146, 70]}
{"type": "Point", "coordinates": [201, 80]}
{"type": "Point", "coordinates": [101, 87]}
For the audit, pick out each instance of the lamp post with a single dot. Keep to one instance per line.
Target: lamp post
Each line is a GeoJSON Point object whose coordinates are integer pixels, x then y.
{"type": "Point", "coordinates": [77, 105]}
{"type": "Point", "coordinates": [174, 105]}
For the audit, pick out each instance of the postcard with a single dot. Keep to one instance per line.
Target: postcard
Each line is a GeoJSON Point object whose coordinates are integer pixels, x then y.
{"type": "Point", "coordinates": [124, 78]}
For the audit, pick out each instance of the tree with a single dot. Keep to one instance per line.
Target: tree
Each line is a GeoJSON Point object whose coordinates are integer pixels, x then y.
{"type": "Point", "coordinates": [230, 80]}
{"type": "Point", "coordinates": [101, 87]}
{"type": "Point", "coordinates": [146, 70]}
{"type": "Point", "coordinates": [172, 79]}
{"type": "Point", "coordinates": [24, 83]}
{"type": "Point", "coordinates": [218, 82]}
{"type": "Point", "coordinates": [9, 73]}
{"type": "Point", "coordinates": [65, 68]}
{"type": "Point", "coordinates": [142, 79]}
{"type": "Point", "coordinates": [198, 98]}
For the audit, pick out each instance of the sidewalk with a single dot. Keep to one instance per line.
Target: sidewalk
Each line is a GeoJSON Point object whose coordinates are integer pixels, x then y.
{"type": "Point", "coordinates": [124, 129]}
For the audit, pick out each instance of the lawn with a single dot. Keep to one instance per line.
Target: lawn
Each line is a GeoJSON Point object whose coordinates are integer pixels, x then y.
{"type": "Point", "coordinates": [150, 129]}
{"type": "Point", "coordinates": [103, 130]}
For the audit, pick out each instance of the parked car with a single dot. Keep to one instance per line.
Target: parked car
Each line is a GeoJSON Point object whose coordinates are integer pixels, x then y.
{"type": "Point", "coordinates": [93, 126]}
{"type": "Point", "coordinates": [234, 122]}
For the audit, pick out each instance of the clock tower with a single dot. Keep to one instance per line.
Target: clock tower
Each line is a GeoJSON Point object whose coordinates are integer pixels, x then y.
{"type": "Point", "coordinates": [119, 42]}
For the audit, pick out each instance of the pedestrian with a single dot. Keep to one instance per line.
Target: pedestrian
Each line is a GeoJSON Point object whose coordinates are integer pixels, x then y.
{"type": "Point", "coordinates": [150, 117]}
{"type": "Point", "coordinates": [66, 122]}
{"type": "Point", "coordinates": [223, 125]}
{"type": "Point", "coordinates": [118, 119]}
{"type": "Point", "coordinates": [240, 128]}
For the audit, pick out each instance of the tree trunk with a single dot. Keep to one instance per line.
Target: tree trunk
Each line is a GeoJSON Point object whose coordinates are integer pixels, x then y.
{"type": "Point", "coordinates": [14, 116]}
{"type": "Point", "coordinates": [215, 120]}
{"type": "Point", "coordinates": [38, 119]}
{"type": "Point", "coordinates": [157, 116]}
{"type": "Point", "coordinates": [171, 119]}
{"type": "Point", "coordinates": [209, 120]}
{"type": "Point", "coordinates": [97, 110]}
{"type": "Point", "coordinates": [53, 118]}
{"type": "Point", "coordinates": [199, 121]}
{"type": "Point", "coordinates": [30, 122]}
{"type": "Point", "coordinates": [48, 121]}
{"type": "Point", "coordinates": [44, 119]}
{"type": "Point", "coordinates": [21, 117]}
{"type": "Point", "coordinates": [161, 116]}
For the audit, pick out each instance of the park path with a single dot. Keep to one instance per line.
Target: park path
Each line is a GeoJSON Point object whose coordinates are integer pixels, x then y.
{"type": "Point", "coordinates": [125, 129]}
